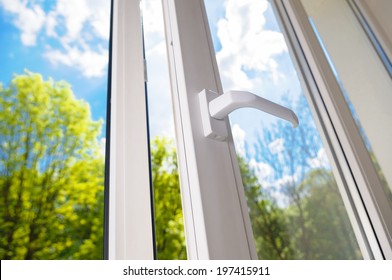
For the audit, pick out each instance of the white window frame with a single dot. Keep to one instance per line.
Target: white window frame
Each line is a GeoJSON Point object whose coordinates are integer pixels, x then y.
{"type": "Point", "coordinates": [216, 219]}
{"type": "Point", "coordinates": [130, 218]}
{"type": "Point", "coordinates": [217, 222]}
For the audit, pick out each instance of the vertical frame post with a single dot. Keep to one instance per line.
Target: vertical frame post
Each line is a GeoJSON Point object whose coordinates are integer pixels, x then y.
{"type": "Point", "coordinates": [130, 222]}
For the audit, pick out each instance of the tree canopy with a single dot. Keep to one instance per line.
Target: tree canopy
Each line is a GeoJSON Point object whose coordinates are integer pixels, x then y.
{"type": "Point", "coordinates": [51, 172]}
{"type": "Point", "coordinates": [170, 237]}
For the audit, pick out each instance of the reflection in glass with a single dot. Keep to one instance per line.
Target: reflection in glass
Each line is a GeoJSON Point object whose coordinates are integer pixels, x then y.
{"type": "Point", "coordinates": [52, 129]}
{"type": "Point", "coordinates": [293, 199]}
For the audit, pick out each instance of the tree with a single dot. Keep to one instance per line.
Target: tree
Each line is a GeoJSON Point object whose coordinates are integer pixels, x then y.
{"type": "Point", "coordinates": [313, 212]}
{"type": "Point", "coordinates": [51, 173]}
{"type": "Point", "coordinates": [268, 220]}
{"type": "Point", "coordinates": [170, 237]}
{"type": "Point", "coordinates": [331, 235]}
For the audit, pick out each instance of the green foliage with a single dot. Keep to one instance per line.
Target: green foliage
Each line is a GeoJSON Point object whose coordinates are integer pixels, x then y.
{"type": "Point", "coordinates": [300, 213]}
{"type": "Point", "coordinates": [314, 227]}
{"type": "Point", "coordinates": [268, 220]}
{"type": "Point", "coordinates": [330, 235]}
{"type": "Point", "coordinates": [51, 177]}
{"type": "Point", "coordinates": [51, 173]}
{"type": "Point", "coordinates": [170, 239]}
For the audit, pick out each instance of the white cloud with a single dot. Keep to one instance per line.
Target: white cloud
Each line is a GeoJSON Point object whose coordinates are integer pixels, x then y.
{"type": "Point", "coordinates": [76, 14]}
{"type": "Point", "coordinates": [90, 63]}
{"type": "Point", "coordinates": [50, 24]}
{"type": "Point", "coordinates": [263, 171]}
{"type": "Point", "coordinates": [75, 24]}
{"type": "Point", "coordinates": [276, 146]}
{"type": "Point", "coordinates": [247, 45]}
{"type": "Point", "coordinates": [78, 52]}
{"type": "Point", "coordinates": [29, 19]}
{"type": "Point", "coordinates": [320, 161]}
{"type": "Point", "coordinates": [287, 180]}
{"type": "Point", "coordinates": [158, 86]}
{"type": "Point", "coordinates": [239, 140]}
{"type": "Point", "coordinates": [102, 146]}
{"type": "Point", "coordinates": [158, 89]}
{"type": "Point", "coordinates": [153, 20]}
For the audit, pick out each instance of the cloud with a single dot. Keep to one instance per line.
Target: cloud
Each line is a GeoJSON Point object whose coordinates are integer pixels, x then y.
{"type": "Point", "coordinates": [239, 140]}
{"type": "Point", "coordinates": [29, 19]}
{"type": "Point", "coordinates": [79, 25]}
{"type": "Point", "coordinates": [276, 146]}
{"type": "Point", "coordinates": [76, 15]}
{"type": "Point", "coordinates": [246, 45]}
{"type": "Point", "coordinates": [320, 161]}
{"type": "Point", "coordinates": [79, 28]}
{"type": "Point", "coordinates": [153, 22]}
{"type": "Point", "coordinates": [158, 86]}
{"type": "Point", "coordinates": [90, 63]}
{"type": "Point", "coordinates": [102, 146]}
{"type": "Point", "coordinates": [158, 90]}
{"type": "Point", "coordinates": [263, 171]}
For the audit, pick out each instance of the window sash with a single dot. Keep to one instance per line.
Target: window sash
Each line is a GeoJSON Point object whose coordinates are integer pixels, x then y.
{"type": "Point", "coordinates": [217, 223]}
{"type": "Point", "coordinates": [130, 217]}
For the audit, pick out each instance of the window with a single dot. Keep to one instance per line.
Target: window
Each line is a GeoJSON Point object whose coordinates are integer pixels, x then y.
{"type": "Point", "coordinates": [52, 133]}
{"type": "Point", "coordinates": [216, 212]}
{"type": "Point", "coordinates": [251, 185]}
{"type": "Point", "coordinates": [294, 201]}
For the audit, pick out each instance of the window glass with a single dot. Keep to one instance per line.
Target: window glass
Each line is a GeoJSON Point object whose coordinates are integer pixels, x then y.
{"type": "Point", "coordinates": [53, 88]}
{"type": "Point", "coordinates": [169, 223]}
{"type": "Point", "coordinates": [294, 202]}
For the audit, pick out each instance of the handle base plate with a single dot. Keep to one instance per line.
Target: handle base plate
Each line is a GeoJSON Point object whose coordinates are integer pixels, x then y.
{"type": "Point", "coordinates": [213, 128]}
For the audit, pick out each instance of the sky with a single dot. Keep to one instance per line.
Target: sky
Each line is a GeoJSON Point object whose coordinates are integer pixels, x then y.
{"type": "Point", "coordinates": [68, 40]}
{"type": "Point", "coordinates": [63, 39]}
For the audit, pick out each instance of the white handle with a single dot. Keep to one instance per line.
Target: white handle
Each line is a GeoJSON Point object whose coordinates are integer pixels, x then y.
{"type": "Point", "coordinates": [226, 103]}
{"type": "Point", "coordinates": [214, 108]}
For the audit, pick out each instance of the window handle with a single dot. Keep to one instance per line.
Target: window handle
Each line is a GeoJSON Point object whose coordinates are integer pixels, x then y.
{"type": "Point", "coordinates": [214, 108]}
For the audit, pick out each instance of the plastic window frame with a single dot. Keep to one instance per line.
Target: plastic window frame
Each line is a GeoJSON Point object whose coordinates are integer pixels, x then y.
{"type": "Point", "coordinates": [216, 220]}
{"type": "Point", "coordinates": [129, 223]}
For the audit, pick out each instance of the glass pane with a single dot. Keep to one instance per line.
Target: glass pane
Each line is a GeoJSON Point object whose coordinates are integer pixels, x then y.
{"type": "Point", "coordinates": [293, 199]}
{"type": "Point", "coordinates": [363, 78]}
{"type": "Point", "coordinates": [53, 88]}
{"type": "Point", "coordinates": [169, 224]}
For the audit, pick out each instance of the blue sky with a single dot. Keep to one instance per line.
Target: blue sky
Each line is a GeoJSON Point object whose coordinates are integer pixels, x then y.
{"type": "Point", "coordinates": [68, 40]}
{"type": "Point", "coordinates": [63, 39]}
